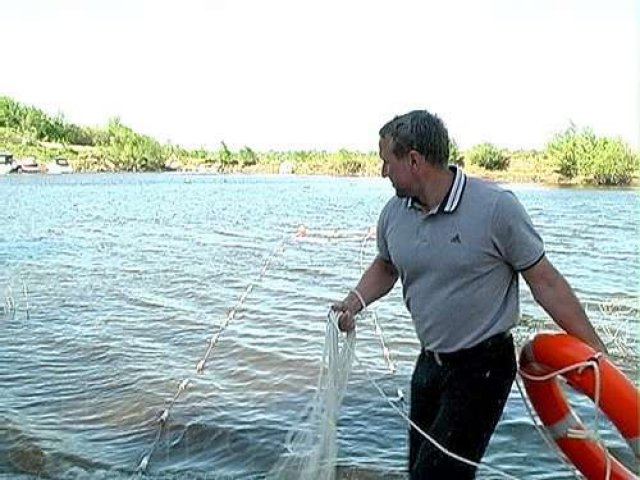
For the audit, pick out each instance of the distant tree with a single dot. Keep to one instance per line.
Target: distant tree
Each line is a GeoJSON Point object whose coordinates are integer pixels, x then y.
{"type": "Point", "coordinates": [487, 155]}
{"type": "Point", "coordinates": [131, 151]}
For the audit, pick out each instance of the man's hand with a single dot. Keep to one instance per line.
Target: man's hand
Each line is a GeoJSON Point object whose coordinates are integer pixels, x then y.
{"type": "Point", "coordinates": [376, 281]}
{"type": "Point", "coordinates": [346, 316]}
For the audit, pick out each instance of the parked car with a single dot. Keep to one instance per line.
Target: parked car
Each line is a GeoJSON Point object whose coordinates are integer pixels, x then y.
{"type": "Point", "coordinates": [59, 165]}
{"type": "Point", "coordinates": [27, 165]}
{"type": "Point", "coordinates": [7, 163]}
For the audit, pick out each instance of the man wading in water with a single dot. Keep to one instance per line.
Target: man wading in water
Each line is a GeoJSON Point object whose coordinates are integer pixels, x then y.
{"type": "Point", "coordinates": [458, 244]}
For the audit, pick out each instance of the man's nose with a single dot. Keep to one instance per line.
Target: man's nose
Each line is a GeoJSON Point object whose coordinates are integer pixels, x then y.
{"type": "Point", "coordinates": [385, 171]}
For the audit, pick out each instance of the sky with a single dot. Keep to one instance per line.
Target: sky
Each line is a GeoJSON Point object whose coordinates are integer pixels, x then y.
{"type": "Point", "coordinates": [327, 74]}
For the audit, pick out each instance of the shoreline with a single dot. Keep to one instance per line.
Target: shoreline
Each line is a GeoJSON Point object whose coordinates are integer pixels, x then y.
{"type": "Point", "coordinates": [524, 167]}
{"type": "Point", "coordinates": [573, 157]}
{"type": "Point", "coordinates": [497, 177]}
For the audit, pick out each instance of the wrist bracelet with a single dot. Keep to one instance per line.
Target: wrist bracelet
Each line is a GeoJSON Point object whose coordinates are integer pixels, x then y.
{"type": "Point", "coordinates": [360, 298]}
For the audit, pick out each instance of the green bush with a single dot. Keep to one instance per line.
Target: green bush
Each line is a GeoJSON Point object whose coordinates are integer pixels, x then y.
{"type": "Point", "coordinates": [32, 123]}
{"type": "Point", "coordinates": [613, 163]}
{"type": "Point", "coordinates": [225, 157]}
{"type": "Point", "coordinates": [75, 135]}
{"type": "Point", "coordinates": [248, 157]}
{"type": "Point", "coordinates": [28, 131]}
{"type": "Point", "coordinates": [569, 149]}
{"type": "Point", "coordinates": [487, 155]}
{"type": "Point", "coordinates": [131, 151]}
{"type": "Point", "coordinates": [599, 160]}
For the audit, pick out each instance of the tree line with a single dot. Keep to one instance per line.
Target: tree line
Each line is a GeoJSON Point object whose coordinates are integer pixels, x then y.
{"type": "Point", "coordinates": [573, 154]}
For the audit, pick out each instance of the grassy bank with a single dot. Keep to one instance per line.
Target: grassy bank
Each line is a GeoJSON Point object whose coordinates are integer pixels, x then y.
{"type": "Point", "coordinates": [570, 157]}
{"type": "Point", "coordinates": [523, 166]}
{"type": "Point", "coordinates": [535, 167]}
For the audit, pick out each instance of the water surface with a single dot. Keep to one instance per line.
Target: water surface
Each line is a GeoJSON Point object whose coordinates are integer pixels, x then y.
{"type": "Point", "coordinates": [114, 284]}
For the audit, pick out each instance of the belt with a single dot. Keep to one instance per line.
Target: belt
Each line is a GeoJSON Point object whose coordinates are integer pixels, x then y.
{"type": "Point", "coordinates": [488, 345]}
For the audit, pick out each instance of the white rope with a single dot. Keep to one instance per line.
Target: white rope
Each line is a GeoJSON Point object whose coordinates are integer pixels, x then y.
{"type": "Point", "coordinates": [544, 433]}
{"type": "Point", "coordinates": [370, 234]}
{"type": "Point", "coordinates": [592, 363]}
{"type": "Point", "coordinates": [326, 236]}
{"type": "Point", "coordinates": [346, 355]}
{"type": "Point", "coordinates": [300, 233]}
{"type": "Point", "coordinates": [372, 313]}
{"type": "Point", "coordinates": [311, 444]}
{"type": "Point", "coordinates": [582, 434]}
{"type": "Point", "coordinates": [164, 416]}
{"type": "Point", "coordinates": [162, 420]}
{"type": "Point", "coordinates": [400, 412]}
{"type": "Point", "coordinates": [386, 353]}
{"type": "Point", "coordinates": [232, 313]}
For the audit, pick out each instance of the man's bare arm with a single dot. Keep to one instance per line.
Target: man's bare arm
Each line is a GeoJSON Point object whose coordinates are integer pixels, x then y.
{"type": "Point", "coordinates": [555, 295]}
{"type": "Point", "coordinates": [375, 282]}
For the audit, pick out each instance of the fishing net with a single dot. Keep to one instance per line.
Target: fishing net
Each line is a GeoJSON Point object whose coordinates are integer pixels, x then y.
{"type": "Point", "coordinates": [311, 449]}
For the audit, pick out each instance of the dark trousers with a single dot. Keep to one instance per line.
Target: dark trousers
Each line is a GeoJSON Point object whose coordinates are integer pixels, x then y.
{"type": "Point", "coordinates": [457, 399]}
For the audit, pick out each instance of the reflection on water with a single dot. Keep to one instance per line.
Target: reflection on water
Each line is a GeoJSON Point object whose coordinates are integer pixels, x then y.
{"type": "Point", "coordinates": [114, 285]}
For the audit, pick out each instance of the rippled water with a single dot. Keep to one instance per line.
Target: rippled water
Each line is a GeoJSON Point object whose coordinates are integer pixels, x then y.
{"type": "Point", "coordinates": [114, 284]}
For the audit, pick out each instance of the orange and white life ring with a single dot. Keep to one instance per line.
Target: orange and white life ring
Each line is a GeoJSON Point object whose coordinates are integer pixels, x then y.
{"type": "Point", "coordinates": [618, 398]}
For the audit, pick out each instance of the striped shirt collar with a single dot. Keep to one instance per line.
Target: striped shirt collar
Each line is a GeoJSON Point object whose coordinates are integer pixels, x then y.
{"type": "Point", "coordinates": [452, 199]}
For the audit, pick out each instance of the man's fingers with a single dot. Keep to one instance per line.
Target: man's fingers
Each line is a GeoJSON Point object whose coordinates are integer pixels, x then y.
{"type": "Point", "coordinates": [345, 322]}
{"type": "Point", "coordinates": [338, 307]}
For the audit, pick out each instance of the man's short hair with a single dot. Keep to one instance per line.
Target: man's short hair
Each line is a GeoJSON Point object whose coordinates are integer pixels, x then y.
{"type": "Point", "coordinates": [421, 131]}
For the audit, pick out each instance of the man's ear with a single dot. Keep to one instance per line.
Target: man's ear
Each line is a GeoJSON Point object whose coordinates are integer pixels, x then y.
{"type": "Point", "coordinates": [415, 159]}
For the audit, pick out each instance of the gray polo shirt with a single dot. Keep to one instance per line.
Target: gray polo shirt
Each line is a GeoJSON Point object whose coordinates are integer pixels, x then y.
{"type": "Point", "coordinates": [459, 263]}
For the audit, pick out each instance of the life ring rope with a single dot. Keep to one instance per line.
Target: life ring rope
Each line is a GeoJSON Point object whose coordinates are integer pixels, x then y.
{"type": "Point", "coordinates": [576, 433]}
{"type": "Point", "coordinates": [550, 357]}
{"type": "Point", "coordinates": [544, 432]}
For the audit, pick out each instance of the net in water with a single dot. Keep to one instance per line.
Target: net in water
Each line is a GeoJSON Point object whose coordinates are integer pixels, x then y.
{"type": "Point", "coordinates": [311, 449]}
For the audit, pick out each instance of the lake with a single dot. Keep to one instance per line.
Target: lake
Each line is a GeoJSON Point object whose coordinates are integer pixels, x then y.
{"type": "Point", "coordinates": [114, 284]}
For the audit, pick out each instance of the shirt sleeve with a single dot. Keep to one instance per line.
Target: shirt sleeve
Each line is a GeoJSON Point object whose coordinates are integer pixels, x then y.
{"type": "Point", "coordinates": [514, 235]}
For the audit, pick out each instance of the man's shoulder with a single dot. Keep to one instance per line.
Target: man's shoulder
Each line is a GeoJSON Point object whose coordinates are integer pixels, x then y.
{"type": "Point", "coordinates": [479, 191]}
{"type": "Point", "coordinates": [394, 203]}
{"type": "Point", "coordinates": [392, 210]}
{"type": "Point", "coordinates": [496, 200]}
